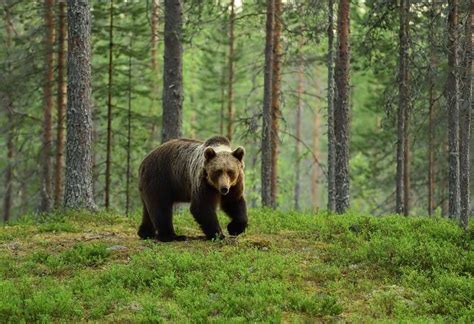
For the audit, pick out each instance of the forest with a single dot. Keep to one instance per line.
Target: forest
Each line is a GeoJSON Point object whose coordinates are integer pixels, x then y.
{"type": "Point", "coordinates": [356, 119]}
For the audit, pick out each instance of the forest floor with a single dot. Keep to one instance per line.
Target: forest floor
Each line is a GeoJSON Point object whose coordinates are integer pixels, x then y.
{"type": "Point", "coordinates": [288, 267]}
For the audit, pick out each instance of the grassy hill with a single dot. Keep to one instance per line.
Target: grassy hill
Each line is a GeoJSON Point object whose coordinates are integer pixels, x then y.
{"type": "Point", "coordinates": [289, 267]}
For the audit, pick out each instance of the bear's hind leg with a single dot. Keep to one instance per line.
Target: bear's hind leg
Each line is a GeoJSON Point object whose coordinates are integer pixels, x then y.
{"type": "Point", "coordinates": [146, 229]}
{"type": "Point", "coordinates": [162, 217]}
{"type": "Point", "coordinates": [237, 211]}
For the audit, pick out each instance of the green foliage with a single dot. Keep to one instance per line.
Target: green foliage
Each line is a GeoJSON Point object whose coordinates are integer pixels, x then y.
{"type": "Point", "coordinates": [288, 267]}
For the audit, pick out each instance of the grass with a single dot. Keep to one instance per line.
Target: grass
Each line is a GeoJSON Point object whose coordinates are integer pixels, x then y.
{"type": "Point", "coordinates": [288, 267]}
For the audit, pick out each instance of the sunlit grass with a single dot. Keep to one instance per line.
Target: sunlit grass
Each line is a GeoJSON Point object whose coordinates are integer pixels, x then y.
{"type": "Point", "coordinates": [288, 267]}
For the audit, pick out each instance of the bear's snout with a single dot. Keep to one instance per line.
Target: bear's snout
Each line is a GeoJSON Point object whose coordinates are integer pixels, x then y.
{"type": "Point", "coordinates": [224, 190]}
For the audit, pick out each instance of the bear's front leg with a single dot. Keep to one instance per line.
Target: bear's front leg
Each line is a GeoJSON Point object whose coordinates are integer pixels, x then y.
{"type": "Point", "coordinates": [237, 211]}
{"type": "Point", "coordinates": [205, 214]}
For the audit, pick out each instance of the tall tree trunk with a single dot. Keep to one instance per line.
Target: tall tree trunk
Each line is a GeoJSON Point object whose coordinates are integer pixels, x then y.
{"type": "Point", "coordinates": [405, 101]}
{"type": "Point", "coordinates": [154, 64]}
{"type": "Point", "coordinates": [432, 75]}
{"type": "Point", "coordinates": [109, 109]}
{"type": "Point", "coordinates": [299, 107]}
{"type": "Point", "coordinates": [230, 85]}
{"type": "Point", "coordinates": [46, 165]}
{"type": "Point", "coordinates": [452, 91]}
{"type": "Point", "coordinates": [266, 167]}
{"type": "Point", "coordinates": [341, 108]}
{"type": "Point", "coordinates": [173, 71]}
{"type": "Point", "coordinates": [276, 95]}
{"type": "Point", "coordinates": [8, 103]}
{"type": "Point", "coordinates": [78, 187]}
{"type": "Point", "coordinates": [222, 113]}
{"type": "Point", "coordinates": [315, 168]}
{"type": "Point", "coordinates": [331, 137]}
{"type": "Point", "coordinates": [465, 119]}
{"type": "Point", "coordinates": [129, 131]}
{"type": "Point", "coordinates": [61, 107]}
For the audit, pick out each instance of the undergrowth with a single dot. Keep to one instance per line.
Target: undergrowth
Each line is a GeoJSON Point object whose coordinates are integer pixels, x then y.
{"type": "Point", "coordinates": [288, 266]}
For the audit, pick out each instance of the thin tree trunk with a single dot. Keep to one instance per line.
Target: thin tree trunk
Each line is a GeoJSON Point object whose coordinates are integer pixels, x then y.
{"type": "Point", "coordinates": [341, 108]}
{"type": "Point", "coordinates": [452, 90]}
{"type": "Point", "coordinates": [109, 109]}
{"type": "Point", "coordinates": [266, 167]}
{"type": "Point", "coordinates": [405, 102]}
{"type": "Point", "coordinates": [222, 114]}
{"type": "Point", "coordinates": [299, 107]}
{"type": "Point", "coordinates": [276, 95]}
{"type": "Point", "coordinates": [403, 99]}
{"type": "Point", "coordinates": [154, 64]}
{"type": "Point", "coordinates": [61, 107]}
{"type": "Point", "coordinates": [331, 137]}
{"type": "Point", "coordinates": [230, 85]}
{"type": "Point", "coordinates": [315, 171]}
{"type": "Point", "coordinates": [7, 199]}
{"type": "Point", "coordinates": [78, 187]}
{"type": "Point", "coordinates": [465, 119]}
{"type": "Point", "coordinates": [46, 165]}
{"type": "Point", "coordinates": [173, 71]}
{"type": "Point", "coordinates": [129, 131]}
{"type": "Point", "coordinates": [432, 75]}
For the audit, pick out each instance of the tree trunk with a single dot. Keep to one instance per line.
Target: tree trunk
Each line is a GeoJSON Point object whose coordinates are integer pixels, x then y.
{"type": "Point", "coordinates": [276, 95]}
{"type": "Point", "coordinates": [341, 108]}
{"type": "Point", "coordinates": [299, 106]}
{"type": "Point", "coordinates": [230, 85]}
{"type": "Point", "coordinates": [78, 188]}
{"type": "Point", "coordinates": [129, 131]}
{"type": "Point", "coordinates": [465, 120]}
{"type": "Point", "coordinates": [109, 109]}
{"type": "Point", "coordinates": [452, 91]}
{"type": "Point", "coordinates": [61, 107]}
{"type": "Point", "coordinates": [154, 65]}
{"type": "Point", "coordinates": [331, 137]}
{"type": "Point", "coordinates": [405, 100]}
{"type": "Point", "coordinates": [266, 167]}
{"type": "Point", "coordinates": [315, 168]}
{"type": "Point", "coordinates": [46, 165]}
{"type": "Point", "coordinates": [7, 199]}
{"type": "Point", "coordinates": [432, 75]}
{"type": "Point", "coordinates": [173, 71]}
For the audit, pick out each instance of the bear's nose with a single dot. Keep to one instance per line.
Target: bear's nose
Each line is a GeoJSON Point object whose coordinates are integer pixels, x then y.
{"type": "Point", "coordinates": [224, 190]}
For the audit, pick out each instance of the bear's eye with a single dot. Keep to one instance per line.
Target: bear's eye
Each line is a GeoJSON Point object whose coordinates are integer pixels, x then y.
{"type": "Point", "coordinates": [219, 171]}
{"type": "Point", "coordinates": [231, 174]}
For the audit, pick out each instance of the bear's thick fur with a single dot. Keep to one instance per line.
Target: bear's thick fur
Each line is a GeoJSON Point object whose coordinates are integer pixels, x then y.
{"type": "Point", "coordinates": [207, 174]}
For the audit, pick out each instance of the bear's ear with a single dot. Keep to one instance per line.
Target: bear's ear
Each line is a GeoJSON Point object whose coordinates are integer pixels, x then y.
{"type": "Point", "coordinates": [209, 153]}
{"type": "Point", "coordinates": [239, 153]}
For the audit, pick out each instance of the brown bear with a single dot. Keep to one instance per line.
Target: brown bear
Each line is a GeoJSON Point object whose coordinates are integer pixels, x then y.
{"type": "Point", "coordinates": [207, 174]}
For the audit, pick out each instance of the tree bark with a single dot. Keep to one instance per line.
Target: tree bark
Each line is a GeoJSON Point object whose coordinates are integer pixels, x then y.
{"type": "Point", "coordinates": [315, 171]}
{"type": "Point", "coordinates": [276, 95]}
{"type": "Point", "coordinates": [108, 159]}
{"type": "Point", "coordinates": [299, 107]}
{"type": "Point", "coordinates": [452, 91]}
{"type": "Point", "coordinates": [154, 64]}
{"type": "Point", "coordinates": [129, 132]}
{"type": "Point", "coordinates": [331, 137]}
{"type": "Point", "coordinates": [431, 105]}
{"type": "Point", "coordinates": [266, 166]}
{"type": "Point", "coordinates": [173, 71]}
{"type": "Point", "coordinates": [465, 119]}
{"type": "Point", "coordinates": [405, 101]}
{"type": "Point", "coordinates": [78, 187]}
{"type": "Point", "coordinates": [8, 103]}
{"type": "Point", "coordinates": [230, 85]}
{"type": "Point", "coordinates": [46, 166]}
{"type": "Point", "coordinates": [61, 107]}
{"type": "Point", "coordinates": [341, 108]}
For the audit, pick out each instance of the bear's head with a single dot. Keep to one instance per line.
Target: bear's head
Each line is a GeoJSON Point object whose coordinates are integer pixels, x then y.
{"type": "Point", "coordinates": [223, 168]}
